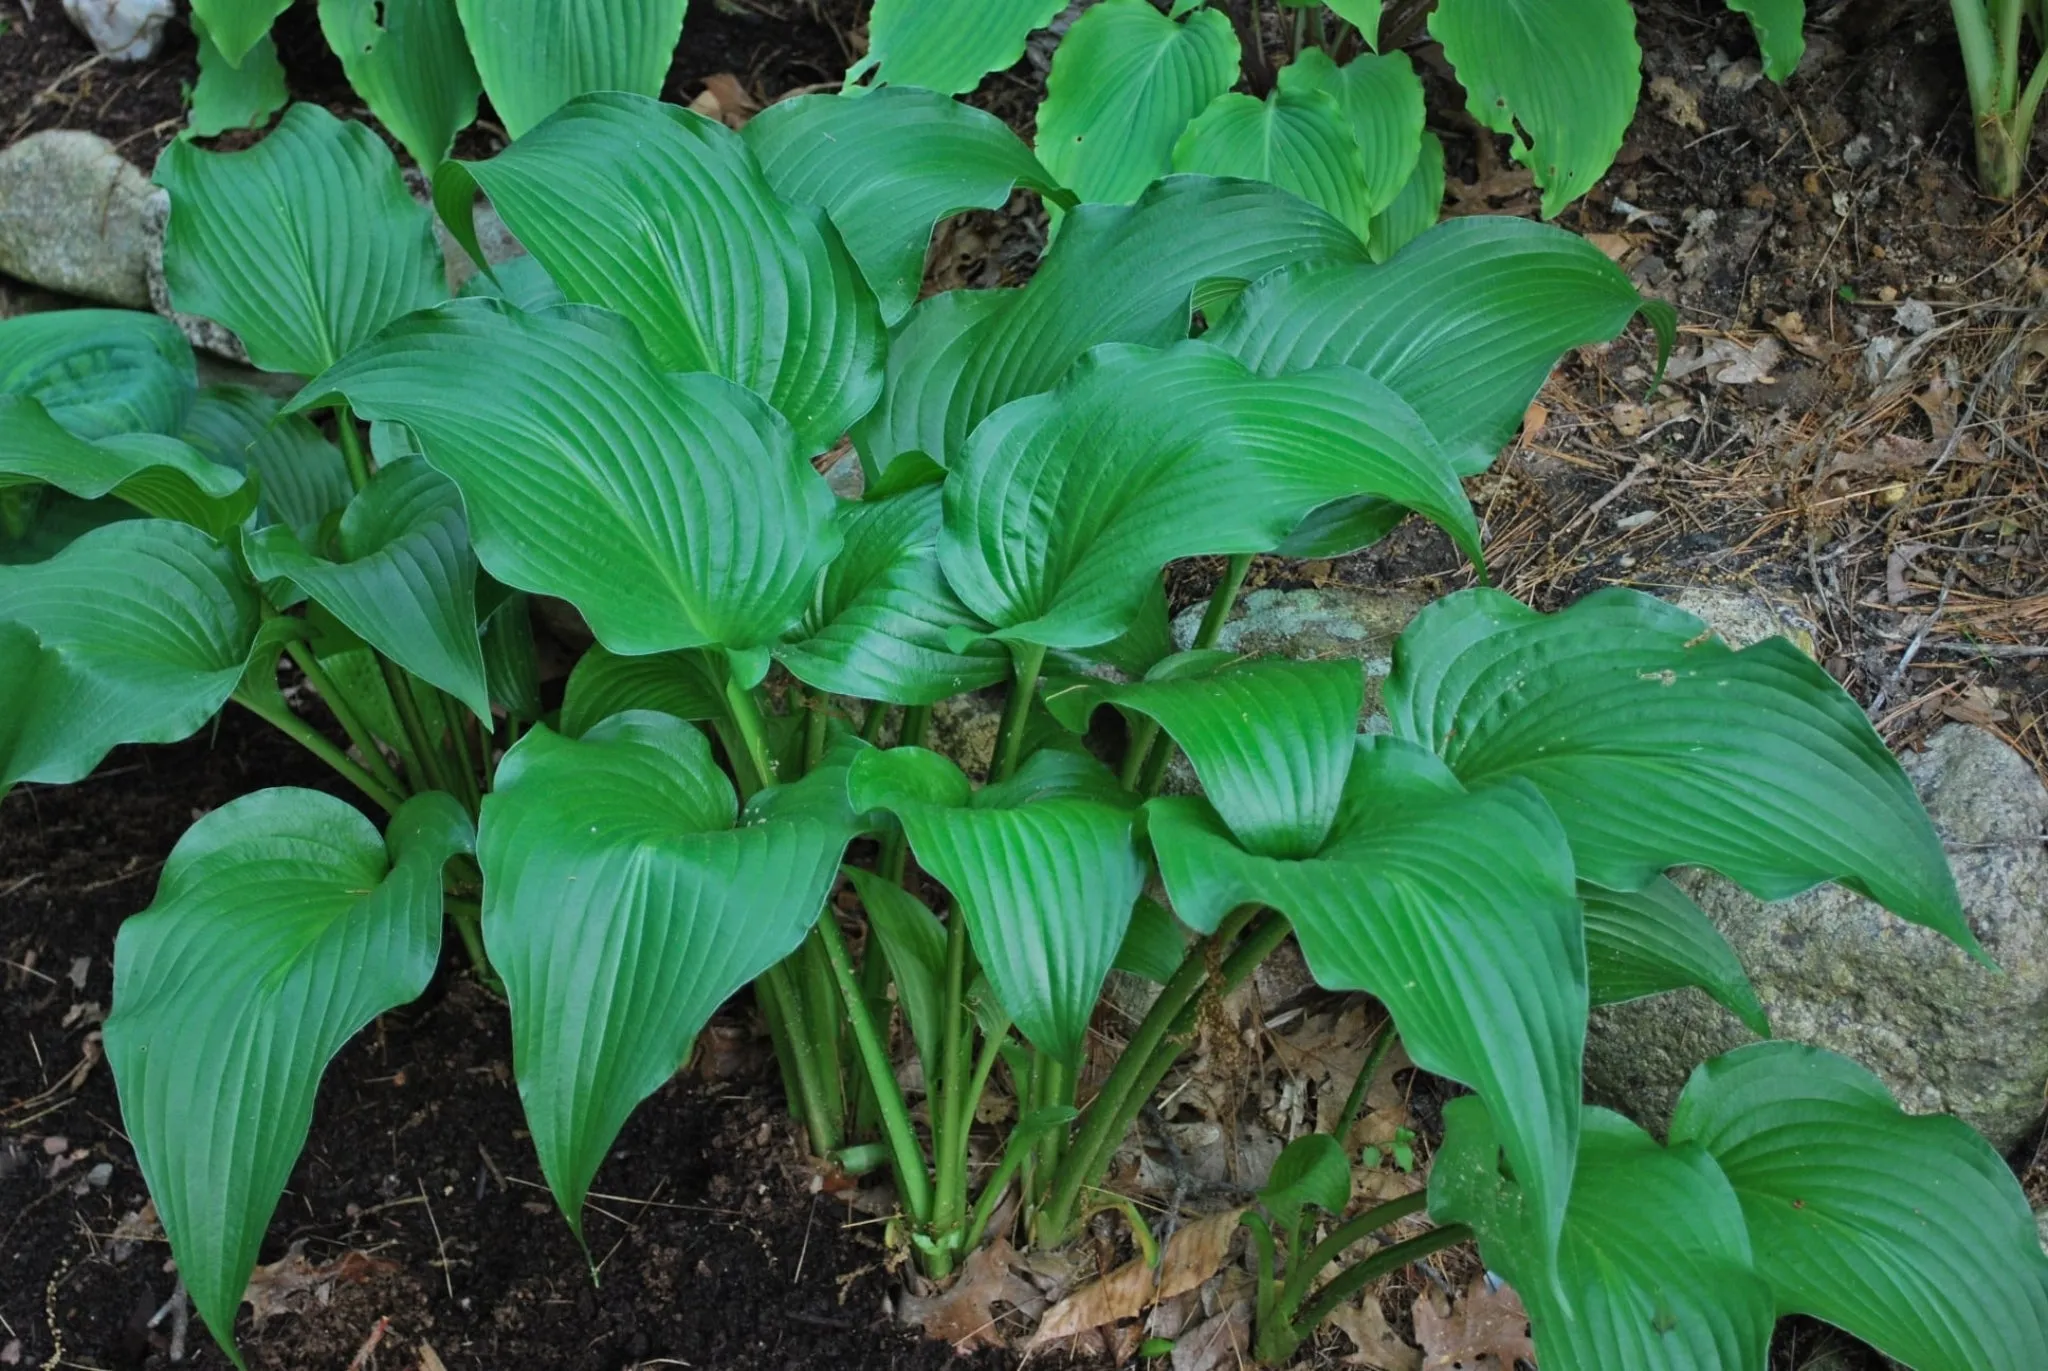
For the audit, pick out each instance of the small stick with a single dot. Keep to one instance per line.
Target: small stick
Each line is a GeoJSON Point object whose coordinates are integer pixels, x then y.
{"type": "Point", "coordinates": [362, 1356]}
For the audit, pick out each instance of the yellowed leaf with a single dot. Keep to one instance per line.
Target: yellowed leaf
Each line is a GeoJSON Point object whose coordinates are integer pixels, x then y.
{"type": "Point", "coordinates": [1192, 1255]}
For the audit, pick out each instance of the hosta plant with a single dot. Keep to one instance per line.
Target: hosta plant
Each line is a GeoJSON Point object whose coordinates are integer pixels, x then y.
{"type": "Point", "coordinates": [734, 787]}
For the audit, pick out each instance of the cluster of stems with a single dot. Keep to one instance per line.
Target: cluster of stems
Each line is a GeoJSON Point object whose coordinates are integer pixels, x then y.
{"type": "Point", "coordinates": [2002, 107]}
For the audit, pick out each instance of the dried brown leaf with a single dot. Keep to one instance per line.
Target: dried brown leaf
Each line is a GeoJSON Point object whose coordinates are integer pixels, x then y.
{"type": "Point", "coordinates": [1192, 1255]}
{"type": "Point", "coordinates": [1488, 1330]}
{"type": "Point", "coordinates": [963, 1314]}
{"type": "Point", "coordinates": [274, 1288]}
{"type": "Point", "coordinates": [1380, 1348]}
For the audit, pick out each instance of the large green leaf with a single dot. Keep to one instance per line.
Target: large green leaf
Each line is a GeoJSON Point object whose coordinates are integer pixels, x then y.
{"type": "Point", "coordinates": [1044, 870]}
{"type": "Point", "coordinates": [1655, 1270]}
{"type": "Point", "coordinates": [877, 627]}
{"type": "Point", "coordinates": [1381, 100]}
{"type": "Point", "coordinates": [1278, 785]}
{"type": "Point", "coordinates": [304, 245]}
{"type": "Point", "coordinates": [672, 510]}
{"type": "Point", "coordinates": [238, 25]}
{"type": "Point", "coordinates": [1125, 274]}
{"type": "Point", "coordinates": [622, 906]}
{"type": "Point", "coordinates": [1415, 208]}
{"type": "Point", "coordinates": [100, 371]}
{"type": "Point", "coordinates": [1456, 910]}
{"type": "Point", "coordinates": [511, 658]}
{"type": "Point", "coordinates": [1066, 505]}
{"type": "Point", "coordinates": [1559, 77]}
{"type": "Point", "coordinates": [886, 167]}
{"type": "Point", "coordinates": [1124, 83]}
{"type": "Point", "coordinates": [1780, 31]}
{"type": "Point", "coordinates": [666, 217]}
{"type": "Point", "coordinates": [1648, 941]}
{"type": "Point", "coordinates": [282, 925]}
{"type": "Point", "coordinates": [1658, 745]}
{"type": "Point", "coordinates": [300, 476]}
{"type": "Point", "coordinates": [1911, 1233]}
{"type": "Point", "coordinates": [537, 55]}
{"type": "Point", "coordinates": [141, 630]}
{"type": "Point", "coordinates": [403, 579]}
{"type": "Point", "coordinates": [1297, 139]}
{"type": "Point", "coordinates": [949, 45]}
{"type": "Point", "coordinates": [237, 95]}
{"type": "Point", "coordinates": [689, 684]}
{"type": "Point", "coordinates": [158, 475]}
{"type": "Point", "coordinates": [1464, 325]}
{"type": "Point", "coordinates": [913, 942]}
{"type": "Point", "coordinates": [410, 62]}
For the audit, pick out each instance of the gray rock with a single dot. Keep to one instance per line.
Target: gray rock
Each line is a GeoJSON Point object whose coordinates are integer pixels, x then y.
{"type": "Point", "coordinates": [122, 30]}
{"type": "Point", "coordinates": [1833, 969]}
{"type": "Point", "coordinates": [1333, 622]}
{"type": "Point", "coordinates": [202, 333]}
{"type": "Point", "coordinates": [492, 236]}
{"type": "Point", "coordinates": [71, 217]}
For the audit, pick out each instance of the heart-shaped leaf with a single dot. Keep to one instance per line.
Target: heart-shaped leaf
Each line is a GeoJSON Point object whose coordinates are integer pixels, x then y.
{"type": "Point", "coordinates": [1465, 325]}
{"type": "Point", "coordinates": [300, 476]}
{"type": "Point", "coordinates": [1311, 1170]}
{"type": "Point", "coordinates": [1658, 745]}
{"type": "Point", "coordinates": [100, 372]}
{"type": "Point", "coordinates": [672, 510]}
{"type": "Point", "coordinates": [141, 628]}
{"type": "Point", "coordinates": [304, 245]}
{"type": "Point", "coordinates": [1299, 140]}
{"type": "Point", "coordinates": [1381, 101]}
{"type": "Point", "coordinates": [159, 476]}
{"type": "Point", "coordinates": [886, 167]}
{"type": "Point", "coordinates": [1648, 941]}
{"type": "Point", "coordinates": [666, 217]}
{"type": "Point", "coordinates": [1911, 1233]}
{"type": "Point", "coordinates": [621, 907]}
{"type": "Point", "coordinates": [282, 925]}
{"type": "Point", "coordinates": [949, 45]}
{"type": "Point", "coordinates": [537, 55]}
{"type": "Point", "coordinates": [404, 579]}
{"type": "Point", "coordinates": [409, 60]}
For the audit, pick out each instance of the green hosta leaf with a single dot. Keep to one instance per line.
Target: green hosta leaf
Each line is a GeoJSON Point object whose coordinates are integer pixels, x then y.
{"type": "Point", "coordinates": [1125, 274]}
{"type": "Point", "coordinates": [877, 627]}
{"type": "Point", "coordinates": [511, 660]}
{"type": "Point", "coordinates": [1465, 325]}
{"type": "Point", "coordinates": [282, 925]}
{"type": "Point", "coordinates": [1456, 910]}
{"type": "Point", "coordinates": [1299, 140]}
{"type": "Point", "coordinates": [622, 907]}
{"type": "Point", "coordinates": [913, 941]}
{"type": "Point", "coordinates": [1415, 208]}
{"type": "Point", "coordinates": [300, 476]}
{"type": "Point", "coordinates": [1658, 745]}
{"type": "Point", "coordinates": [53, 522]}
{"type": "Point", "coordinates": [1780, 31]}
{"type": "Point", "coordinates": [1045, 883]}
{"type": "Point", "coordinates": [239, 95]}
{"type": "Point", "coordinates": [1124, 82]}
{"type": "Point", "coordinates": [404, 579]}
{"type": "Point", "coordinates": [1277, 785]}
{"type": "Point", "coordinates": [726, 525]}
{"type": "Point", "coordinates": [158, 475]}
{"type": "Point", "coordinates": [1654, 1272]}
{"type": "Point", "coordinates": [237, 26]}
{"type": "Point", "coordinates": [666, 217]}
{"type": "Point", "coordinates": [410, 62]}
{"type": "Point", "coordinates": [1559, 77]}
{"type": "Point", "coordinates": [521, 281]}
{"type": "Point", "coordinates": [1311, 1170]}
{"type": "Point", "coordinates": [1364, 14]}
{"type": "Point", "coordinates": [304, 245]}
{"type": "Point", "coordinates": [1911, 1233]}
{"type": "Point", "coordinates": [688, 685]}
{"type": "Point", "coordinates": [886, 167]}
{"type": "Point", "coordinates": [1656, 939]}
{"type": "Point", "coordinates": [1066, 505]}
{"type": "Point", "coordinates": [949, 45]}
{"type": "Point", "coordinates": [142, 629]}
{"type": "Point", "coordinates": [1154, 945]}
{"type": "Point", "coordinates": [1381, 101]}
{"type": "Point", "coordinates": [100, 371]}
{"type": "Point", "coordinates": [537, 55]}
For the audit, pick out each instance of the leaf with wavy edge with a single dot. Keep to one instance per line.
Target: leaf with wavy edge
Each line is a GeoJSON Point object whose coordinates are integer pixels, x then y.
{"type": "Point", "coordinates": [534, 56]}
{"type": "Point", "coordinates": [300, 476]}
{"type": "Point", "coordinates": [1299, 140]}
{"type": "Point", "coordinates": [100, 371]}
{"type": "Point", "coordinates": [160, 476]}
{"type": "Point", "coordinates": [1380, 98]}
{"type": "Point", "coordinates": [948, 45]}
{"type": "Point", "coordinates": [1649, 941]}
{"type": "Point", "coordinates": [409, 61]}
{"type": "Point", "coordinates": [689, 684]}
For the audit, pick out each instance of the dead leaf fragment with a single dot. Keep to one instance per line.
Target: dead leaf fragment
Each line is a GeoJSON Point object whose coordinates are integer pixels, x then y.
{"type": "Point", "coordinates": [963, 1314]}
{"type": "Point", "coordinates": [274, 1288]}
{"type": "Point", "coordinates": [1488, 1330]}
{"type": "Point", "coordinates": [1192, 1255]}
{"type": "Point", "coordinates": [1679, 105]}
{"type": "Point", "coordinates": [1380, 1348]}
{"type": "Point", "coordinates": [430, 1360]}
{"type": "Point", "coordinates": [726, 100]}
{"type": "Point", "coordinates": [1731, 363]}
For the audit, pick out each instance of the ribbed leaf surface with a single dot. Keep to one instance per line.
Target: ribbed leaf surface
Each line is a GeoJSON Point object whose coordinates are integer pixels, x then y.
{"type": "Point", "coordinates": [300, 476]}
{"type": "Point", "coordinates": [1415, 207]}
{"type": "Point", "coordinates": [689, 684]}
{"type": "Point", "coordinates": [949, 45]}
{"type": "Point", "coordinates": [536, 55]}
{"type": "Point", "coordinates": [159, 476]}
{"type": "Point", "coordinates": [1298, 140]}
{"type": "Point", "coordinates": [1381, 101]}
{"type": "Point", "coordinates": [409, 60]}
{"type": "Point", "coordinates": [235, 26]}
{"type": "Point", "coordinates": [1648, 941]}
{"type": "Point", "coordinates": [99, 371]}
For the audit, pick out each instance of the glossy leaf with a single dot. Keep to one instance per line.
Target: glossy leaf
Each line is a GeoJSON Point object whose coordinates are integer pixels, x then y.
{"type": "Point", "coordinates": [1380, 99]}
{"type": "Point", "coordinates": [1645, 942]}
{"type": "Point", "coordinates": [877, 627]}
{"type": "Point", "coordinates": [1298, 140]}
{"type": "Point", "coordinates": [234, 95]}
{"type": "Point", "coordinates": [1365, 14]}
{"type": "Point", "coordinates": [689, 685]}
{"type": "Point", "coordinates": [237, 26]}
{"type": "Point", "coordinates": [666, 217]}
{"type": "Point", "coordinates": [158, 475]}
{"type": "Point", "coordinates": [1780, 31]}
{"type": "Point", "coordinates": [1125, 274]}
{"type": "Point", "coordinates": [1415, 208]}
{"type": "Point", "coordinates": [1456, 910]}
{"type": "Point", "coordinates": [622, 907]}
{"type": "Point", "coordinates": [282, 925]}
{"type": "Point", "coordinates": [949, 45]}
{"type": "Point", "coordinates": [304, 245]}
{"type": "Point", "coordinates": [1066, 505]}
{"type": "Point", "coordinates": [886, 167]}
{"type": "Point", "coordinates": [1465, 325]}
{"type": "Point", "coordinates": [404, 578]}
{"type": "Point", "coordinates": [511, 659]}
{"type": "Point", "coordinates": [913, 941]}
{"type": "Point", "coordinates": [1655, 1269]}
{"type": "Point", "coordinates": [1559, 77]}
{"type": "Point", "coordinates": [141, 629]}
{"type": "Point", "coordinates": [100, 371]}
{"type": "Point", "coordinates": [1154, 945]}
{"type": "Point", "coordinates": [672, 510]}
{"type": "Point", "coordinates": [1311, 1170]}
{"type": "Point", "coordinates": [535, 56]}
{"type": "Point", "coordinates": [300, 476]}
{"type": "Point", "coordinates": [1125, 81]}
{"type": "Point", "coordinates": [1658, 745]}
{"type": "Point", "coordinates": [409, 61]}
{"type": "Point", "coordinates": [1046, 884]}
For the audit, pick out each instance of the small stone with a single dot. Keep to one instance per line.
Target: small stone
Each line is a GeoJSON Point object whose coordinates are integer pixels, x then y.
{"type": "Point", "coordinates": [1914, 316]}
{"type": "Point", "coordinates": [71, 217]}
{"type": "Point", "coordinates": [122, 30]}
